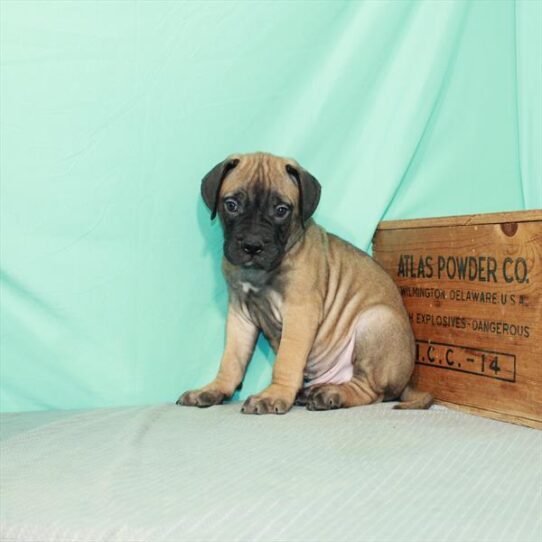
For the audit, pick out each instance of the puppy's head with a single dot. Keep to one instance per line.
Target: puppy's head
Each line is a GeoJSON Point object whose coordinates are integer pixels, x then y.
{"type": "Point", "coordinates": [262, 201]}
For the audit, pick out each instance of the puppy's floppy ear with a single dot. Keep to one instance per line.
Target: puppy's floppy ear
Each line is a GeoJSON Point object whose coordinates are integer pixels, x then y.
{"type": "Point", "coordinates": [309, 191]}
{"type": "Point", "coordinates": [212, 182]}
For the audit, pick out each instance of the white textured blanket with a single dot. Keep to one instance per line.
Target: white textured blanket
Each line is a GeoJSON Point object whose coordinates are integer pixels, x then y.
{"type": "Point", "coordinates": [167, 473]}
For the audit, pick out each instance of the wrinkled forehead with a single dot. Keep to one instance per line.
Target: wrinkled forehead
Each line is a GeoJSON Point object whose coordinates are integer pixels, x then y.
{"type": "Point", "coordinates": [261, 173]}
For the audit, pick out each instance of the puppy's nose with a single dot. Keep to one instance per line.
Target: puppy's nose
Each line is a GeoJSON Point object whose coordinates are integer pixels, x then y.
{"type": "Point", "coordinates": [252, 247]}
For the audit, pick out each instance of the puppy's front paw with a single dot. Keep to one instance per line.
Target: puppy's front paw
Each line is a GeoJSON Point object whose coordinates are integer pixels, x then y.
{"type": "Point", "coordinates": [325, 397]}
{"type": "Point", "coordinates": [266, 404]}
{"type": "Point", "coordinates": [201, 398]}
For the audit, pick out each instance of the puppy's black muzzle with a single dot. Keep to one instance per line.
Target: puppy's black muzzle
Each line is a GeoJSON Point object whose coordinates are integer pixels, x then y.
{"type": "Point", "coordinates": [253, 249]}
{"type": "Point", "coordinates": [252, 245]}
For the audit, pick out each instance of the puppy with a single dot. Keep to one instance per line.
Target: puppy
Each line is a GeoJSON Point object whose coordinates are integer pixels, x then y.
{"type": "Point", "coordinates": [332, 315]}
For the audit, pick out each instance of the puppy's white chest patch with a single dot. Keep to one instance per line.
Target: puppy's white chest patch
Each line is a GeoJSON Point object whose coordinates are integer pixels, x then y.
{"type": "Point", "coordinates": [249, 287]}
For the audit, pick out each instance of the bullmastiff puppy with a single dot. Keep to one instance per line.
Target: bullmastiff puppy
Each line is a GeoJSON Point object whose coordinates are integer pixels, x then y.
{"type": "Point", "coordinates": [332, 315]}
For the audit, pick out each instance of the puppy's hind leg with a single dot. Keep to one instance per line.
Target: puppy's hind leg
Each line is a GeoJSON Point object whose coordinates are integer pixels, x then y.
{"type": "Point", "coordinates": [356, 392]}
{"type": "Point", "coordinates": [383, 359]}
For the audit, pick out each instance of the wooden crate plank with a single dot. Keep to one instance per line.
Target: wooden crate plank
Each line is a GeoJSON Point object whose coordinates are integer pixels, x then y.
{"type": "Point", "coordinates": [534, 215]}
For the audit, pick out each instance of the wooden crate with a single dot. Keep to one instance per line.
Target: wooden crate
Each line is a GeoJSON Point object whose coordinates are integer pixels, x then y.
{"type": "Point", "coordinates": [472, 286]}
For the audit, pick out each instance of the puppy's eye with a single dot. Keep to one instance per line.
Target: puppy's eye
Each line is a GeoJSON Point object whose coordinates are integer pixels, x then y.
{"type": "Point", "coordinates": [231, 206]}
{"type": "Point", "coordinates": [281, 211]}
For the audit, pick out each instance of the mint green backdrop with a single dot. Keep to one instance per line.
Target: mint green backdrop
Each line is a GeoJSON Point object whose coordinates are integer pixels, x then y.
{"type": "Point", "coordinates": [111, 112]}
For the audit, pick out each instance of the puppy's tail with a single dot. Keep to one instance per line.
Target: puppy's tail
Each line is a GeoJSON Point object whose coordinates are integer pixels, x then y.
{"type": "Point", "coordinates": [414, 399]}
